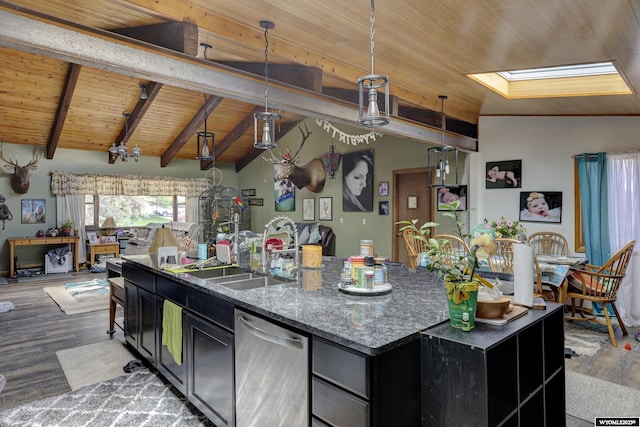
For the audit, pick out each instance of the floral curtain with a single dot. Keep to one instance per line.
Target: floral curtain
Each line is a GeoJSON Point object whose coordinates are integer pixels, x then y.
{"type": "Point", "coordinates": [67, 183]}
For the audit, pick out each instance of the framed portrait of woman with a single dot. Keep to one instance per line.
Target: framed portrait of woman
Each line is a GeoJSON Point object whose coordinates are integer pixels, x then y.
{"type": "Point", "coordinates": [325, 212]}
{"type": "Point", "coordinates": [357, 181]}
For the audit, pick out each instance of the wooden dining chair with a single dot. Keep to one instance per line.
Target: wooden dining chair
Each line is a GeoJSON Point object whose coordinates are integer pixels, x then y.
{"type": "Point", "coordinates": [542, 289]}
{"type": "Point", "coordinates": [548, 243]}
{"type": "Point", "coordinates": [599, 284]}
{"type": "Point", "coordinates": [454, 246]}
{"type": "Point", "coordinates": [414, 246]}
{"type": "Point", "coordinates": [502, 260]}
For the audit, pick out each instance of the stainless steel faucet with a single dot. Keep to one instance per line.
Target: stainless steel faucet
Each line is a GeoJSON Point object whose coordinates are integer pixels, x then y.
{"type": "Point", "coordinates": [235, 253]}
{"type": "Point", "coordinates": [283, 220]}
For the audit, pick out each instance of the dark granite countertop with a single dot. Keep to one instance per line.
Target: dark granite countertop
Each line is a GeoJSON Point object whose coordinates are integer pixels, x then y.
{"type": "Point", "coordinates": [369, 324]}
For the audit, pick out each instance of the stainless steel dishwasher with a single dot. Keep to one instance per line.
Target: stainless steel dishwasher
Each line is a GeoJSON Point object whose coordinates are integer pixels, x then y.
{"type": "Point", "coordinates": [272, 374]}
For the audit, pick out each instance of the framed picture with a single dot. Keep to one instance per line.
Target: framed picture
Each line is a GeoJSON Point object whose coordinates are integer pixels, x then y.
{"type": "Point", "coordinates": [325, 212]}
{"type": "Point", "coordinates": [383, 188]}
{"type": "Point", "coordinates": [253, 201]}
{"type": "Point", "coordinates": [357, 181]}
{"type": "Point", "coordinates": [33, 211]}
{"type": "Point", "coordinates": [285, 195]}
{"type": "Point", "coordinates": [249, 191]}
{"type": "Point", "coordinates": [504, 174]}
{"type": "Point", "coordinates": [92, 236]}
{"type": "Point", "coordinates": [308, 209]}
{"type": "Point", "coordinates": [447, 195]}
{"type": "Point", "coordinates": [412, 202]}
{"type": "Point", "coordinates": [537, 206]}
{"type": "Point", "coordinates": [383, 208]}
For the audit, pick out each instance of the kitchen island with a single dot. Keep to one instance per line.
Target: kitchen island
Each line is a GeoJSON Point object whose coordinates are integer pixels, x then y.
{"type": "Point", "coordinates": [364, 353]}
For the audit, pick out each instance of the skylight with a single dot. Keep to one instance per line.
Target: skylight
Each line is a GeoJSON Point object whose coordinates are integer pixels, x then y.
{"type": "Point", "coordinates": [594, 79]}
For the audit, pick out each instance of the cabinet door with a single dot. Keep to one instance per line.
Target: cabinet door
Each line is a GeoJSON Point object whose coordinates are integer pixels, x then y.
{"type": "Point", "coordinates": [210, 370]}
{"type": "Point", "coordinates": [131, 322]}
{"type": "Point", "coordinates": [176, 374]}
{"type": "Point", "coordinates": [147, 331]}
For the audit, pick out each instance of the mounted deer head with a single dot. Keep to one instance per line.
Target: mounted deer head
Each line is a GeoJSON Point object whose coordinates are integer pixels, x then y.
{"type": "Point", "coordinates": [20, 177]}
{"type": "Point", "coordinates": [312, 175]}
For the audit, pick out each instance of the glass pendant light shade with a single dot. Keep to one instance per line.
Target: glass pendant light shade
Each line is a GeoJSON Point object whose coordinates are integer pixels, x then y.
{"type": "Point", "coordinates": [205, 139]}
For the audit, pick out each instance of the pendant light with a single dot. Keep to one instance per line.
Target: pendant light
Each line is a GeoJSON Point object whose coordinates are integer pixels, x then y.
{"type": "Point", "coordinates": [441, 155]}
{"type": "Point", "coordinates": [121, 151]}
{"type": "Point", "coordinates": [371, 84]}
{"type": "Point", "coordinates": [205, 139]}
{"type": "Point", "coordinates": [331, 160]}
{"type": "Point", "coordinates": [265, 122]}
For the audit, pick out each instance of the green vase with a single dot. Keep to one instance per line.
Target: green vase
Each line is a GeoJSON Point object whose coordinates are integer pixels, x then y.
{"type": "Point", "coordinates": [467, 304]}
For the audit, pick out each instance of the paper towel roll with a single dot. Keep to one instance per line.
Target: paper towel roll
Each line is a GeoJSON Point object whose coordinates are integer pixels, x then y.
{"type": "Point", "coordinates": [523, 274]}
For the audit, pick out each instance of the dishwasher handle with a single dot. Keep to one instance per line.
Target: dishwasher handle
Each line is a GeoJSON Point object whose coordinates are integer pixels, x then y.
{"type": "Point", "coordinates": [292, 342]}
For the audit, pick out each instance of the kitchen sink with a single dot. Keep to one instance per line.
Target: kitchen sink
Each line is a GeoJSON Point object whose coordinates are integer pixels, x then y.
{"type": "Point", "coordinates": [252, 283]}
{"type": "Point", "coordinates": [216, 272]}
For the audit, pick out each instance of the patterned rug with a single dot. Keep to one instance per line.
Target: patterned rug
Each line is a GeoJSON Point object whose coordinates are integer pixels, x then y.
{"type": "Point", "coordinates": [585, 338]}
{"type": "Point", "coordinates": [136, 399]}
{"type": "Point", "coordinates": [81, 297]}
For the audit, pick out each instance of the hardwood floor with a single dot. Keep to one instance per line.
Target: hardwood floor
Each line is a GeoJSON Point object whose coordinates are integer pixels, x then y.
{"type": "Point", "coordinates": [32, 333]}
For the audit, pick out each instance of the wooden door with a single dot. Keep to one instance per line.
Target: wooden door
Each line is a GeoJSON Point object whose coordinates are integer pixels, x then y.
{"type": "Point", "coordinates": [410, 183]}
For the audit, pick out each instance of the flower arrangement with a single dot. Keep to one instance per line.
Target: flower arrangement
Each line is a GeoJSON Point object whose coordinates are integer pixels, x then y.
{"type": "Point", "coordinates": [509, 228]}
{"type": "Point", "coordinates": [456, 269]}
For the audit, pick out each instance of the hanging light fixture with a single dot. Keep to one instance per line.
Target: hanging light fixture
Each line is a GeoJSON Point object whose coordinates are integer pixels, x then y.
{"type": "Point", "coordinates": [442, 153]}
{"type": "Point", "coordinates": [205, 139]}
{"type": "Point", "coordinates": [143, 91]}
{"type": "Point", "coordinates": [121, 150]}
{"type": "Point", "coordinates": [265, 120]}
{"type": "Point", "coordinates": [331, 160]}
{"type": "Point", "coordinates": [371, 84]}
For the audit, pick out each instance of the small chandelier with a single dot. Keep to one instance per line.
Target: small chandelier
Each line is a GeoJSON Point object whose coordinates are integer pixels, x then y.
{"type": "Point", "coordinates": [265, 120]}
{"type": "Point", "coordinates": [442, 154]}
{"type": "Point", "coordinates": [121, 150]}
{"type": "Point", "coordinates": [331, 160]}
{"type": "Point", "coordinates": [204, 149]}
{"type": "Point", "coordinates": [370, 84]}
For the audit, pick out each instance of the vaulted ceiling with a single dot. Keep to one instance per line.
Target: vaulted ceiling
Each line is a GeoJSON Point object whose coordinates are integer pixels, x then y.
{"type": "Point", "coordinates": [71, 68]}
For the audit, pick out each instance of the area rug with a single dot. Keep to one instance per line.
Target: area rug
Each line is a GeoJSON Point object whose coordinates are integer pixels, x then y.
{"type": "Point", "coordinates": [588, 397]}
{"type": "Point", "coordinates": [81, 297]}
{"type": "Point", "coordinates": [93, 363]}
{"type": "Point", "coordinates": [137, 399]}
{"type": "Point", "coordinates": [43, 277]}
{"type": "Point", "coordinates": [584, 340]}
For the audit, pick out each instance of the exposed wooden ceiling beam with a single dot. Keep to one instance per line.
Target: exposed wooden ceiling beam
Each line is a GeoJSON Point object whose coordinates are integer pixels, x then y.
{"type": "Point", "coordinates": [179, 36]}
{"type": "Point", "coordinates": [198, 120]}
{"type": "Point", "coordinates": [63, 108]}
{"type": "Point", "coordinates": [297, 75]}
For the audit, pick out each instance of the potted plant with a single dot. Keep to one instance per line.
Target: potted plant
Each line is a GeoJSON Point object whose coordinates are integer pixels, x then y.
{"type": "Point", "coordinates": [456, 269]}
{"type": "Point", "coordinates": [67, 228]}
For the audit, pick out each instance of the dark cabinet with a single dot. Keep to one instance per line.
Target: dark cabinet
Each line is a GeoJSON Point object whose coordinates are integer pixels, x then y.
{"type": "Point", "coordinates": [353, 389]}
{"type": "Point", "coordinates": [175, 373]}
{"type": "Point", "coordinates": [210, 370]}
{"type": "Point", "coordinates": [496, 375]}
{"type": "Point", "coordinates": [139, 311]}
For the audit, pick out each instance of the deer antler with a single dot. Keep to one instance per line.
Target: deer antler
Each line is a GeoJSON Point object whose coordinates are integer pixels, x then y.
{"type": "Point", "coordinates": [294, 158]}
{"type": "Point", "coordinates": [14, 164]}
{"type": "Point", "coordinates": [273, 158]}
{"type": "Point", "coordinates": [35, 159]}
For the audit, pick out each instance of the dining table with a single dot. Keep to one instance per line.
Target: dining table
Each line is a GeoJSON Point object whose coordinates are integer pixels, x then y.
{"type": "Point", "coordinates": [555, 269]}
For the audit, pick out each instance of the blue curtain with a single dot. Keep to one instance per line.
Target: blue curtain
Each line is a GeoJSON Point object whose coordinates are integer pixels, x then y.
{"type": "Point", "coordinates": [592, 175]}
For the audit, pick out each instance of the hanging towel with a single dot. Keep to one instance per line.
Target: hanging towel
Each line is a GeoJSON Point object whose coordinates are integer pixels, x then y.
{"type": "Point", "coordinates": [172, 329]}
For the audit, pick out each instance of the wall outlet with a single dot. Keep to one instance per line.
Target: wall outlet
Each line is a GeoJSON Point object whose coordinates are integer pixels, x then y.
{"type": "Point", "coordinates": [364, 221]}
{"type": "Point", "coordinates": [341, 220]}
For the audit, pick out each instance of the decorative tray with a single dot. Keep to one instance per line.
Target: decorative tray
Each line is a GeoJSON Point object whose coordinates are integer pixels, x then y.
{"type": "Point", "coordinates": [377, 290]}
{"type": "Point", "coordinates": [516, 312]}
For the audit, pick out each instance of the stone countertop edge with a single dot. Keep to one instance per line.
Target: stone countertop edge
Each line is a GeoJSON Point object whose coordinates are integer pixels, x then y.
{"type": "Point", "coordinates": [368, 324]}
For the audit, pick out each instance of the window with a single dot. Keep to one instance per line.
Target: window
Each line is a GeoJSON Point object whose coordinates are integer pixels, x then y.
{"type": "Point", "coordinates": [133, 211]}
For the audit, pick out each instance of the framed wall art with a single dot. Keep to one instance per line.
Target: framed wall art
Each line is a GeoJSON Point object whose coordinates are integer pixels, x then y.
{"type": "Point", "coordinates": [447, 195]}
{"type": "Point", "coordinates": [412, 202]}
{"type": "Point", "coordinates": [504, 174]}
{"type": "Point", "coordinates": [33, 211]}
{"type": "Point", "coordinates": [256, 201]}
{"type": "Point", "coordinates": [285, 195]}
{"type": "Point", "coordinates": [383, 188]}
{"type": "Point", "coordinates": [308, 209]}
{"type": "Point", "coordinates": [325, 212]}
{"type": "Point", "coordinates": [383, 208]}
{"type": "Point", "coordinates": [538, 206]}
{"type": "Point", "coordinates": [357, 181]}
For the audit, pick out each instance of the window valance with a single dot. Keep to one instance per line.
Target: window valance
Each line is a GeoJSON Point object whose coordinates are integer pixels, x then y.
{"type": "Point", "coordinates": [67, 183]}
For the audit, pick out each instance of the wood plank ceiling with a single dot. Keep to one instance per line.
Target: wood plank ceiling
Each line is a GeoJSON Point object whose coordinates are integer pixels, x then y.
{"type": "Point", "coordinates": [427, 47]}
